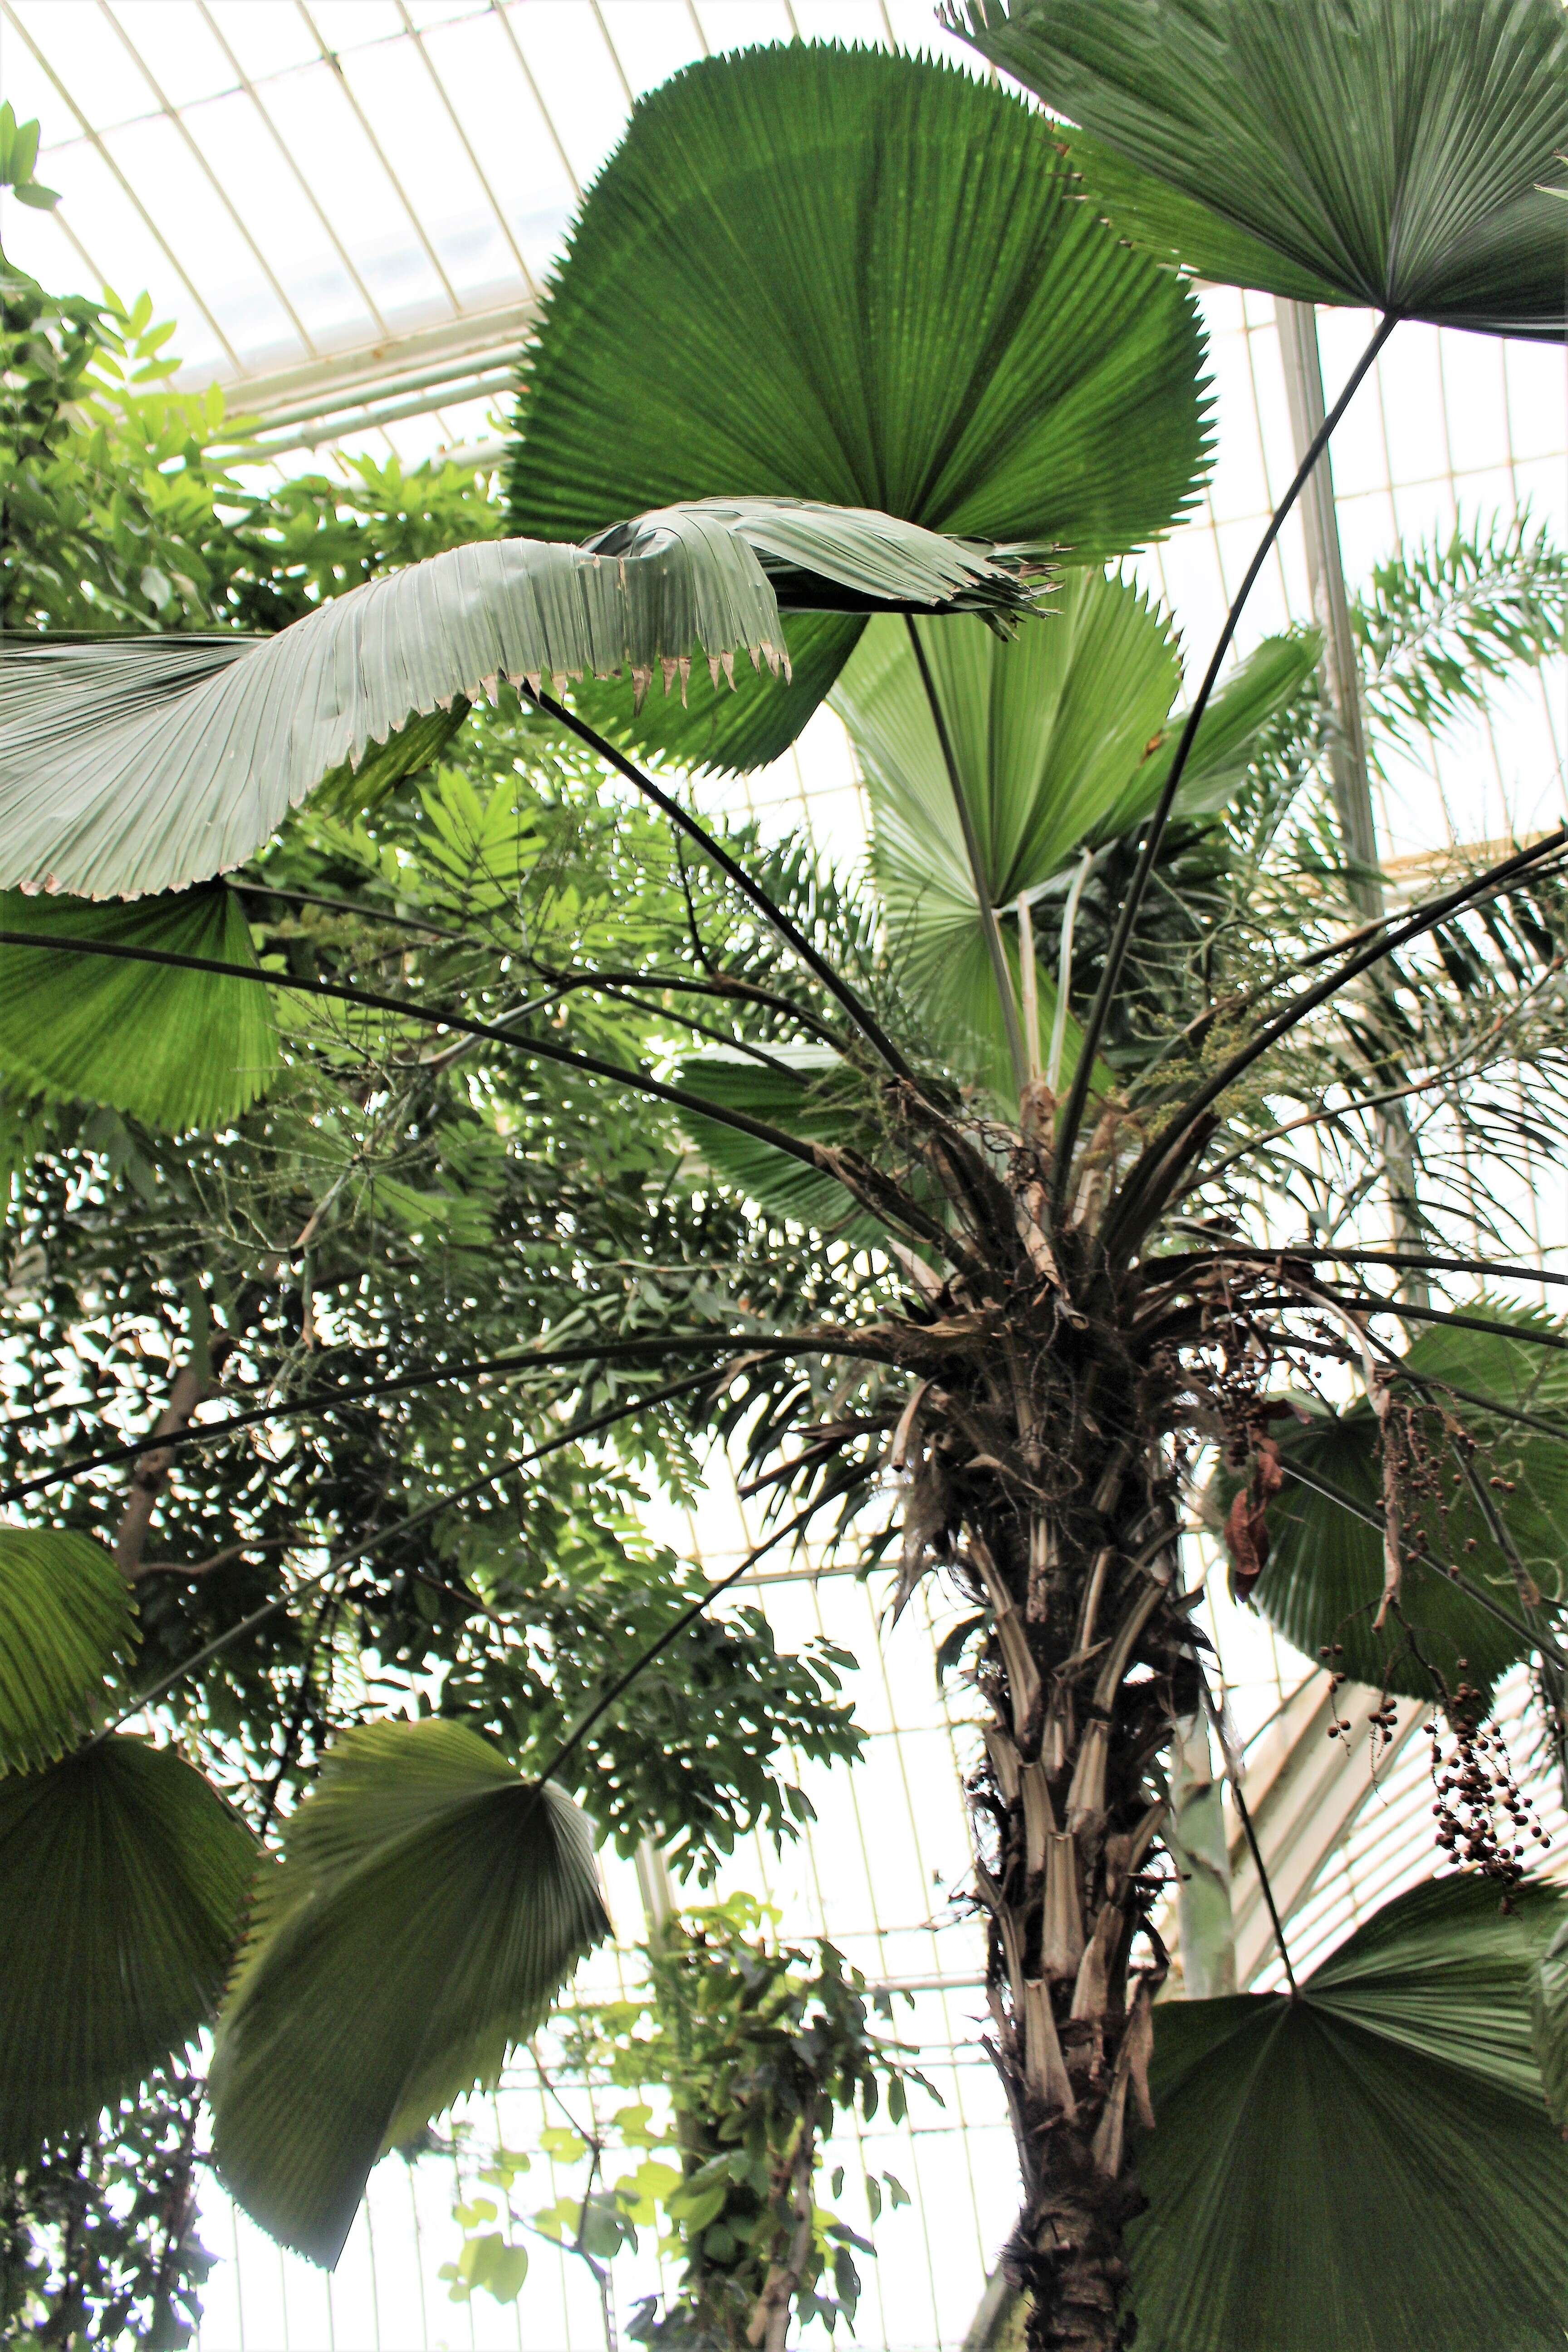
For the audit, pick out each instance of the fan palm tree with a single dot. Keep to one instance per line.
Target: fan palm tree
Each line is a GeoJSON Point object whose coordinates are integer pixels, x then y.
{"type": "Point", "coordinates": [883, 364]}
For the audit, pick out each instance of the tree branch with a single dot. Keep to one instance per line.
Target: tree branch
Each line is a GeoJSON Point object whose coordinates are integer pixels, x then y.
{"type": "Point", "coordinates": [824, 1342]}
{"type": "Point", "coordinates": [349, 1553]}
{"type": "Point", "coordinates": [810, 1155]}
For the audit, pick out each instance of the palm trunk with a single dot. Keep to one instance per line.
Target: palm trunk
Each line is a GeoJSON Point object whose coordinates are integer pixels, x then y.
{"type": "Point", "coordinates": [1060, 1809]}
{"type": "Point", "coordinates": [1044, 1467]}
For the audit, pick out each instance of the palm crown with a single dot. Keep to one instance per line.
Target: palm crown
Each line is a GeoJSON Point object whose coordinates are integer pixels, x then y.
{"type": "Point", "coordinates": [887, 368]}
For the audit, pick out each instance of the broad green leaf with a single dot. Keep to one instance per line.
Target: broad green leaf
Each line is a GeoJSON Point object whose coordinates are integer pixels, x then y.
{"type": "Point", "coordinates": [713, 727]}
{"type": "Point", "coordinates": [1062, 739]}
{"type": "Point", "coordinates": [813, 1095]}
{"type": "Point", "coordinates": [65, 1624]}
{"type": "Point", "coordinates": [1407, 155]}
{"type": "Point", "coordinates": [429, 1907]}
{"type": "Point", "coordinates": [135, 764]}
{"type": "Point", "coordinates": [1325, 1568]}
{"type": "Point", "coordinates": [491, 2263]}
{"type": "Point", "coordinates": [1257, 690]}
{"type": "Point", "coordinates": [174, 1049]}
{"type": "Point", "coordinates": [352, 791]}
{"type": "Point", "coordinates": [1549, 2021]}
{"type": "Point", "coordinates": [864, 277]}
{"type": "Point", "coordinates": [1370, 2165]}
{"type": "Point", "coordinates": [123, 1877]}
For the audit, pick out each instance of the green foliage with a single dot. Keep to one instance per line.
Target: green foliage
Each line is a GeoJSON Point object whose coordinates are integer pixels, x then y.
{"type": "Point", "coordinates": [739, 2052]}
{"type": "Point", "coordinates": [1062, 740]}
{"type": "Point", "coordinates": [694, 1753]}
{"type": "Point", "coordinates": [136, 764]}
{"type": "Point", "coordinates": [1312, 2156]}
{"type": "Point", "coordinates": [98, 2234]}
{"type": "Point", "coordinates": [1441, 624]}
{"type": "Point", "coordinates": [172, 1048]}
{"type": "Point", "coordinates": [113, 513]}
{"type": "Point", "coordinates": [859, 277]}
{"type": "Point", "coordinates": [429, 1906]}
{"type": "Point", "coordinates": [1404, 155]}
{"type": "Point", "coordinates": [1325, 1572]}
{"type": "Point", "coordinates": [121, 508]}
{"type": "Point", "coordinates": [18, 155]}
{"type": "Point", "coordinates": [125, 1874]}
{"type": "Point", "coordinates": [66, 1629]}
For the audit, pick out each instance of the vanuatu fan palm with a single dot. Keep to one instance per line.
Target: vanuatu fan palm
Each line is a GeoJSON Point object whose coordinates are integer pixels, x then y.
{"type": "Point", "coordinates": [856, 340]}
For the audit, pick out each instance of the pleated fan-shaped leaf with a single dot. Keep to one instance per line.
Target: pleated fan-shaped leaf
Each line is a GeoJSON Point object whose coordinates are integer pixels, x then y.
{"type": "Point", "coordinates": [846, 275]}
{"type": "Point", "coordinates": [1550, 2021]}
{"type": "Point", "coordinates": [122, 1880]}
{"type": "Point", "coordinates": [134, 764]}
{"type": "Point", "coordinates": [1369, 2165]}
{"type": "Point", "coordinates": [429, 1907]}
{"type": "Point", "coordinates": [1324, 1574]}
{"type": "Point", "coordinates": [1407, 155]}
{"type": "Point", "coordinates": [174, 1049]}
{"type": "Point", "coordinates": [811, 1093]}
{"type": "Point", "coordinates": [66, 1626]}
{"type": "Point", "coordinates": [1062, 739]}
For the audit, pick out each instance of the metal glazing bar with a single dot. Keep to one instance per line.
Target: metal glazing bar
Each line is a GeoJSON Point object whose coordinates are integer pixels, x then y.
{"type": "Point", "coordinates": [250, 90]}
{"type": "Point", "coordinates": [479, 173]}
{"type": "Point", "coordinates": [526, 71]}
{"type": "Point", "coordinates": [172, 115]}
{"type": "Point", "coordinates": [329, 57]}
{"type": "Point", "coordinates": [155, 232]}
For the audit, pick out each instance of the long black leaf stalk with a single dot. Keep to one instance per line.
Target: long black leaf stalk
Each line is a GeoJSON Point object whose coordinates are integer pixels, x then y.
{"type": "Point", "coordinates": [325, 1401]}
{"type": "Point", "coordinates": [1071, 1117]}
{"type": "Point", "coordinates": [1168, 1153]}
{"type": "Point", "coordinates": [752, 892]}
{"type": "Point", "coordinates": [889, 1202]}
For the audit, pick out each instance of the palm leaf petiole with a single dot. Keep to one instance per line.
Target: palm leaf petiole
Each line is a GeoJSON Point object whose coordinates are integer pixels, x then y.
{"type": "Point", "coordinates": [1121, 939]}
{"type": "Point", "coordinates": [752, 892]}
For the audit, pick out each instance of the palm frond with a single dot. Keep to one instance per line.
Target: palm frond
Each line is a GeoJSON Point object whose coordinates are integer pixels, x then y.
{"type": "Point", "coordinates": [130, 765]}
{"type": "Point", "coordinates": [1310, 2154]}
{"type": "Point", "coordinates": [1405, 155]}
{"type": "Point", "coordinates": [122, 1875]}
{"type": "Point", "coordinates": [429, 1906]}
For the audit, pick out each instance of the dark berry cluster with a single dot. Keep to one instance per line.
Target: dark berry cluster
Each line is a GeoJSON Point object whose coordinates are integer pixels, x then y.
{"type": "Point", "coordinates": [1482, 1814]}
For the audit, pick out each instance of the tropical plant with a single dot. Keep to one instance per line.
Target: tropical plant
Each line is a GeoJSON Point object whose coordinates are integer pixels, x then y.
{"type": "Point", "coordinates": [899, 358]}
{"type": "Point", "coordinates": [740, 2051]}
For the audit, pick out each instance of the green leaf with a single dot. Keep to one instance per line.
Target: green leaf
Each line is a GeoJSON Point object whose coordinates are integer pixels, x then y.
{"type": "Point", "coordinates": [1391, 153]}
{"type": "Point", "coordinates": [1256, 691]}
{"type": "Point", "coordinates": [122, 1875]}
{"type": "Point", "coordinates": [864, 277]}
{"type": "Point", "coordinates": [174, 1049]}
{"type": "Point", "coordinates": [1062, 739]}
{"type": "Point", "coordinates": [813, 1095]}
{"type": "Point", "coordinates": [1369, 2165]}
{"type": "Point", "coordinates": [133, 764]}
{"type": "Point", "coordinates": [66, 1623]}
{"type": "Point", "coordinates": [430, 1906]}
{"type": "Point", "coordinates": [349, 792]}
{"type": "Point", "coordinates": [1324, 1574]}
{"type": "Point", "coordinates": [731, 732]}
{"type": "Point", "coordinates": [1550, 2024]}
{"type": "Point", "coordinates": [492, 2264]}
